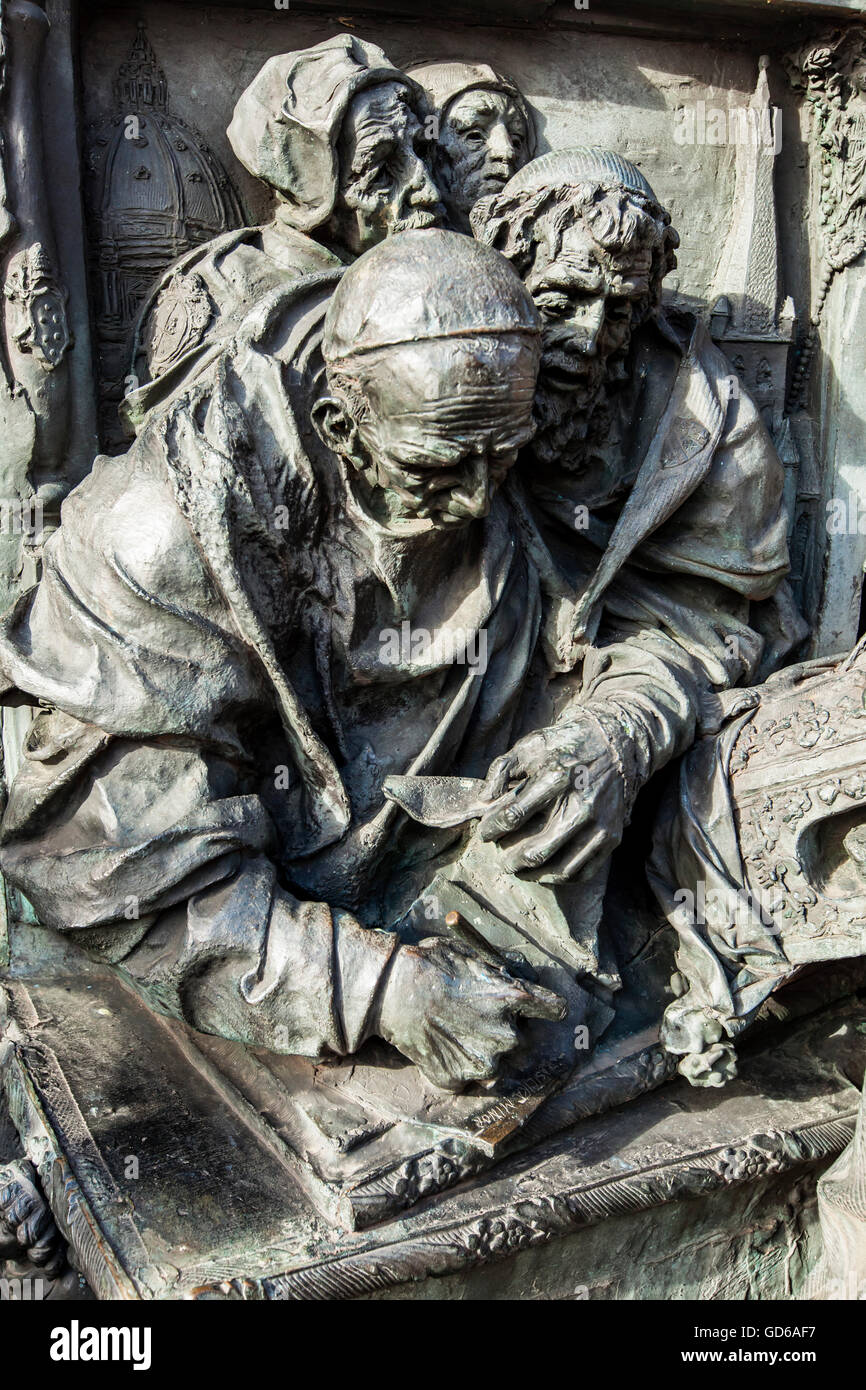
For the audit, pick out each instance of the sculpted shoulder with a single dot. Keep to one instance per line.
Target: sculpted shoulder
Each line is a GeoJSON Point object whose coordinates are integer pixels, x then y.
{"type": "Point", "coordinates": [122, 526]}
{"type": "Point", "coordinates": [733, 527]}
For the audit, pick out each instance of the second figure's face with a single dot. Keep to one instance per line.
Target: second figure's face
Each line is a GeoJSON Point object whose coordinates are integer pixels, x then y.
{"type": "Point", "coordinates": [587, 297]}
{"type": "Point", "coordinates": [385, 184]}
{"type": "Point", "coordinates": [483, 141]}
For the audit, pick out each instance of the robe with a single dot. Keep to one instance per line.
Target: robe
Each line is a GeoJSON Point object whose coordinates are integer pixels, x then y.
{"type": "Point", "coordinates": [200, 800]}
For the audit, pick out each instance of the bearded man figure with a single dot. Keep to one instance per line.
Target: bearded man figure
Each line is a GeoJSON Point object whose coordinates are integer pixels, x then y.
{"type": "Point", "coordinates": [336, 132]}
{"type": "Point", "coordinates": [656, 493]}
{"type": "Point", "coordinates": [593, 245]}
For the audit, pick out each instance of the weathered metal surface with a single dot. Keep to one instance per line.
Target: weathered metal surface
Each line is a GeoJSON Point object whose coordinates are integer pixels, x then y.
{"type": "Point", "coordinates": [446, 529]}
{"type": "Point", "coordinates": [215, 1211]}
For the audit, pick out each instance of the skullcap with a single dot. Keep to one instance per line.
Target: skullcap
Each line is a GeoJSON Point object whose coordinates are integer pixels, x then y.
{"type": "Point", "coordinates": [426, 284]}
{"type": "Point", "coordinates": [581, 164]}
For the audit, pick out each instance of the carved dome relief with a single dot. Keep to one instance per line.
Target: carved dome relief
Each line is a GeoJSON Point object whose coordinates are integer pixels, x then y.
{"type": "Point", "coordinates": [153, 190]}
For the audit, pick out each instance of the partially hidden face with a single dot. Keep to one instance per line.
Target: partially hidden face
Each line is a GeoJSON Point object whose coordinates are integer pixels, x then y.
{"type": "Point", "coordinates": [483, 141]}
{"type": "Point", "coordinates": [385, 183]}
{"type": "Point", "coordinates": [444, 423]}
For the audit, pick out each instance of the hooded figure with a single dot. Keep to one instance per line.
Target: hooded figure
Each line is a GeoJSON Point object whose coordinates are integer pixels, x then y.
{"type": "Point", "coordinates": [297, 127]}
{"type": "Point", "coordinates": [485, 132]}
{"type": "Point", "coordinates": [287, 122]}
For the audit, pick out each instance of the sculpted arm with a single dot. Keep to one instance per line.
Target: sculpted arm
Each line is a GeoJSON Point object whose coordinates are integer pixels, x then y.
{"type": "Point", "coordinates": [673, 636]}
{"type": "Point", "coordinates": [162, 864]}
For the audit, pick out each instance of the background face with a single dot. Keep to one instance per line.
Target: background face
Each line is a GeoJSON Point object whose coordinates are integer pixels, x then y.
{"type": "Point", "coordinates": [483, 141]}
{"type": "Point", "coordinates": [385, 184]}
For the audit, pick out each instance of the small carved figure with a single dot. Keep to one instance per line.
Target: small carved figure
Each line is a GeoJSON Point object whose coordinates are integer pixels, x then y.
{"type": "Point", "coordinates": [484, 133]}
{"type": "Point", "coordinates": [831, 71]}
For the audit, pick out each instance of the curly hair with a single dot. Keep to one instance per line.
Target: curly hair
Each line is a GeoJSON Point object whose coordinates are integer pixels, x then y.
{"type": "Point", "coordinates": [619, 220]}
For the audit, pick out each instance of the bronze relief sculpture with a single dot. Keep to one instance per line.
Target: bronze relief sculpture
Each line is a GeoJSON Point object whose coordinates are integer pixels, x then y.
{"type": "Point", "coordinates": [484, 133]}
{"type": "Point", "coordinates": [419, 719]}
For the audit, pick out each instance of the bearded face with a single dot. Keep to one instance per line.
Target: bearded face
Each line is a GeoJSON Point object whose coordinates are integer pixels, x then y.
{"type": "Point", "coordinates": [385, 183]}
{"type": "Point", "coordinates": [589, 297]}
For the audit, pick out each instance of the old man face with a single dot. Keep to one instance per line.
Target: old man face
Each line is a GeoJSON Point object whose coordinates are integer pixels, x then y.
{"type": "Point", "coordinates": [446, 421]}
{"type": "Point", "coordinates": [588, 295]}
{"type": "Point", "coordinates": [385, 185]}
{"type": "Point", "coordinates": [431, 346]}
{"type": "Point", "coordinates": [483, 141]}
{"type": "Point", "coordinates": [592, 255]}
{"type": "Point", "coordinates": [440, 424]}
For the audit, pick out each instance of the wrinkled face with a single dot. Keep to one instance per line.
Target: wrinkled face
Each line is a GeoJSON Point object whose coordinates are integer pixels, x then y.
{"type": "Point", "coordinates": [385, 185]}
{"type": "Point", "coordinates": [483, 141]}
{"type": "Point", "coordinates": [586, 297]}
{"type": "Point", "coordinates": [446, 420]}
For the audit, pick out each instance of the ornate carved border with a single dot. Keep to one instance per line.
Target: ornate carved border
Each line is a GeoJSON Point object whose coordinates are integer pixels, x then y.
{"type": "Point", "coordinates": [520, 1225]}
{"type": "Point", "coordinates": [29, 1070]}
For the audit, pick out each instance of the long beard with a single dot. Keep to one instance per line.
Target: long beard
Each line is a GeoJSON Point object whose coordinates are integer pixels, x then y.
{"type": "Point", "coordinates": [569, 421]}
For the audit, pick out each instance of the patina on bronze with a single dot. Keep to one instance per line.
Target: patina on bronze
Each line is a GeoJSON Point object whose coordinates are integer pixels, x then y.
{"type": "Point", "coordinates": [412, 726]}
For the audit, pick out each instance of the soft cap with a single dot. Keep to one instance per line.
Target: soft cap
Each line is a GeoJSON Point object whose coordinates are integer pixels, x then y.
{"type": "Point", "coordinates": [445, 82]}
{"type": "Point", "coordinates": [425, 284]}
